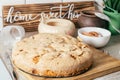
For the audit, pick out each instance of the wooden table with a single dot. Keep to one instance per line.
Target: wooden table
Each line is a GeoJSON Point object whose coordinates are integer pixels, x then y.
{"type": "Point", "coordinates": [113, 46]}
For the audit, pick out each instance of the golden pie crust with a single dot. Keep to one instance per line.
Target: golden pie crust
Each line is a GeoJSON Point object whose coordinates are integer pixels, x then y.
{"type": "Point", "coordinates": [52, 55]}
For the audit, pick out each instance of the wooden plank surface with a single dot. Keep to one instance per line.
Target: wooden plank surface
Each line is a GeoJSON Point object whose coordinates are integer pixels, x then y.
{"type": "Point", "coordinates": [21, 14]}
{"type": "Point", "coordinates": [103, 64]}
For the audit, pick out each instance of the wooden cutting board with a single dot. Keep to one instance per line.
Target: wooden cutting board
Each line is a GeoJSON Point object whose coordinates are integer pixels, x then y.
{"type": "Point", "coordinates": [103, 64]}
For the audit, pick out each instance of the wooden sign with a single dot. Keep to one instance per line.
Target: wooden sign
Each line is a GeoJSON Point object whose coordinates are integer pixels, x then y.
{"type": "Point", "coordinates": [29, 15]}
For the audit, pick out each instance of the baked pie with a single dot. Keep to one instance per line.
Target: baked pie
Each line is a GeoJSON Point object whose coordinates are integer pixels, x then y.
{"type": "Point", "coordinates": [52, 55]}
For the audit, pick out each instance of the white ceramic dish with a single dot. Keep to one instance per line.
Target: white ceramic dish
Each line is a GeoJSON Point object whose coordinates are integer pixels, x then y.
{"type": "Point", "coordinates": [60, 26]}
{"type": "Point", "coordinates": [95, 41]}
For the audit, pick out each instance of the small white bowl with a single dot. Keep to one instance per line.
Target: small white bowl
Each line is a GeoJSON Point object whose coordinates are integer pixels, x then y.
{"type": "Point", "coordinates": [95, 41]}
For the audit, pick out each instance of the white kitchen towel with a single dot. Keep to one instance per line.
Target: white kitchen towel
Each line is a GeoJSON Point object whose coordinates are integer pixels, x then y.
{"type": "Point", "coordinates": [4, 75]}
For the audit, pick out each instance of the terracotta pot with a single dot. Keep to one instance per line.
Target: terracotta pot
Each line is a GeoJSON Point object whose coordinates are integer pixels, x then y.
{"type": "Point", "coordinates": [89, 19]}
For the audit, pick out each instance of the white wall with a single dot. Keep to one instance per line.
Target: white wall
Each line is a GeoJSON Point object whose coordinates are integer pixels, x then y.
{"type": "Point", "coordinates": [41, 1]}
{"type": "Point", "coordinates": [75, 0]}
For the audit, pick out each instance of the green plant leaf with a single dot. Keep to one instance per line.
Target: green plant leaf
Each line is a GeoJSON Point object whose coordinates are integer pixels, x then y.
{"type": "Point", "coordinates": [115, 3]}
{"type": "Point", "coordinates": [118, 6]}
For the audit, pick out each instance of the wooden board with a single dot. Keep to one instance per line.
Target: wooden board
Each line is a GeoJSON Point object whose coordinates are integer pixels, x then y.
{"type": "Point", "coordinates": [29, 15]}
{"type": "Point", "coordinates": [103, 64]}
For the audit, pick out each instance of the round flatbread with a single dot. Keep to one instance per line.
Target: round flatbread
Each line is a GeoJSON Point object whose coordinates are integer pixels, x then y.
{"type": "Point", "coordinates": [52, 55]}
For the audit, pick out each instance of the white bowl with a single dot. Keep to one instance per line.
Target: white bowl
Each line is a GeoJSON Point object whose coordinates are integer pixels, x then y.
{"type": "Point", "coordinates": [95, 41]}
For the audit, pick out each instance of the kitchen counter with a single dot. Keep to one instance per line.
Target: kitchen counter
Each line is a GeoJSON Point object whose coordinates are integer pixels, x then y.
{"type": "Point", "coordinates": [112, 48]}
